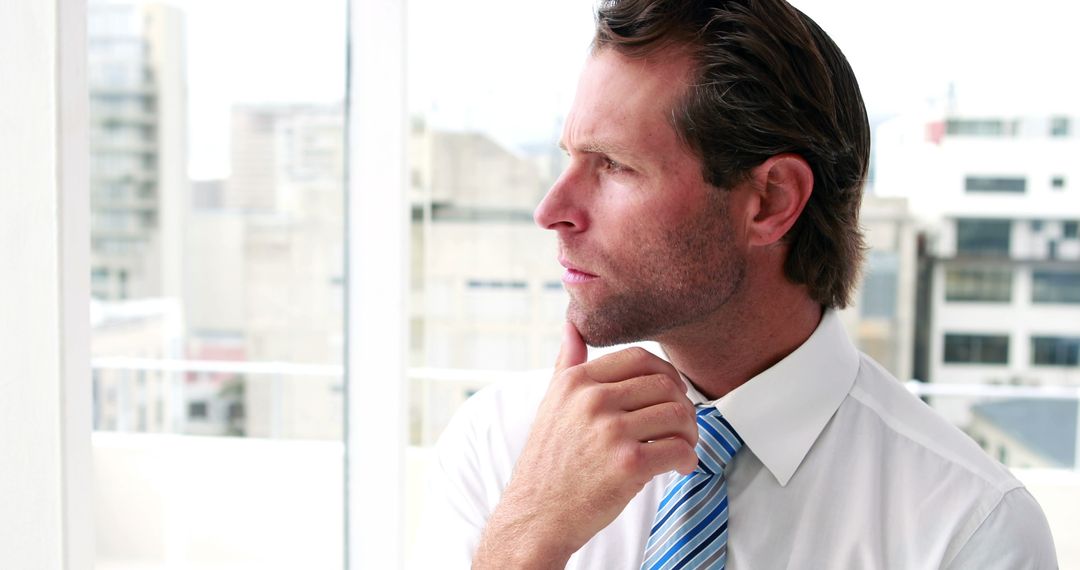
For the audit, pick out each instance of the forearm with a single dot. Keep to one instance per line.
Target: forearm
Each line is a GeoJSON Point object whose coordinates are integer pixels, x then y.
{"type": "Point", "coordinates": [516, 538]}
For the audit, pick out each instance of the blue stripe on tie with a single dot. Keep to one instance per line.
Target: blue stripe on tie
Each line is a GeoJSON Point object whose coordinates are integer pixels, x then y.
{"type": "Point", "coordinates": [700, 547]}
{"type": "Point", "coordinates": [691, 534]}
{"type": "Point", "coordinates": [711, 443]}
{"type": "Point", "coordinates": [719, 438]}
{"type": "Point", "coordinates": [726, 431]}
{"type": "Point", "coordinates": [731, 430]}
{"type": "Point", "coordinates": [690, 528]}
{"type": "Point", "coordinates": [700, 505]}
{"type": "Point", "coordinates": [673, 491]}
{"type": "Point", "coordinates": [682, 500]}
{"type": "Point", "coordinates": [700, 527]}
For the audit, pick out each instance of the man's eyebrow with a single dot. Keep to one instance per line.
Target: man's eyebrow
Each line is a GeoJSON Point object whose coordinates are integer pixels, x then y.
{"type": "Point", "coordinates": [597, 148]}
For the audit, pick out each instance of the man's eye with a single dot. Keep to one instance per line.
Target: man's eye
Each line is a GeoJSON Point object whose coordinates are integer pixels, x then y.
{"type": "Point", "coordinates": [612, 166]}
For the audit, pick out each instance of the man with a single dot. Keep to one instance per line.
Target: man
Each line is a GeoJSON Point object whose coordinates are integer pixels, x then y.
{"type": "Point", "coordinates": [717, 155]}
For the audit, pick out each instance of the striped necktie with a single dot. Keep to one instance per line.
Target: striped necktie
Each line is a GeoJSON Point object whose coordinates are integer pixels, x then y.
{"type": "Point", "coordinates": [690, 528]}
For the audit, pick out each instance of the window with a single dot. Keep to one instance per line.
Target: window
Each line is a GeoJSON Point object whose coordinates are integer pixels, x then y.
{"type": "Point", "coordinates": [986, 284]}
{"type": "Point", "coordinates": [1057, 182]}
{"type": "Point", "coordinates": [983, 237]}
{"type": "Point", "coordinates": [976, 349]}
{"type": "Point", "coordinates": [1012, 185]}
{"type": "Point", "coordinates": [1055, 351]}
{"type": "Point", "coordinates": [879, 289]}
{"type": "Point", "coordinates": [1069, 229]}
{"type": "Point", "coordinates": [218, 242]}
{"type": "Point", "coordinates": [1055, 286]}
{"type": "Point", "coordinates": [978, 127]}
{"type": "Point", "coordinates": [1059, 127]}
{"type": "Point", "coordinates": [198, 410]}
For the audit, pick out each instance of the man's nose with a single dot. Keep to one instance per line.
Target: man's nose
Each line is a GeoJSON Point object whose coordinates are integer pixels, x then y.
{"type": "Point", "coordinates": [561, 208]}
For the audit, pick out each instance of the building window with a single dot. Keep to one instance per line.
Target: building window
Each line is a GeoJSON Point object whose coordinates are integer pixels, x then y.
{"type": "Point", "coordinates": [1010, 184]}
{"type": "Point", "coordinates": [978, 127]}
{"type": "Point", "coordinates": [985, 284]}
{"type": "Point", "coordinates": [198, 410]}
{"type": "Point", "coordinates": [1055, 351]}
{"type": "Point", "coordinates": [1055, 286]}
{"type": "Point", "coordinates": [880, 285]}
{"type": "Point", "coordinates": [1036, 225]}
{"type": "Point", "coordinates": [1057, 182]}
{"type": "Point", "coordinates": [1059, 127]}
{"type": "Point", "coordinates": [976, 349]}
{"type": "Point", "coordinates": [1070, 229]}
{"type": "Point", "coordinates": [495, 284]}
{"type": "Point", "coordinates": [983, 237]}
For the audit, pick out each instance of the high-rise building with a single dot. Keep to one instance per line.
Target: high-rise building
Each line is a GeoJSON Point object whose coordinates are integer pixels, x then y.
{"type": "Point", "coordinates": [139, 197]}
{"type": "Point", "coordinates": [138, 151]}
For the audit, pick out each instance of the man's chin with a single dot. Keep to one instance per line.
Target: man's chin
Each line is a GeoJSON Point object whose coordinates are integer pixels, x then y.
{"type": "Point", "coordinates": [598, 331]}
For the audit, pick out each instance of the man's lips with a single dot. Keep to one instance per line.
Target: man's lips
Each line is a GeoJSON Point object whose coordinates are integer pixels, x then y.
{"type": "Point", "coordinates": [574, 274]}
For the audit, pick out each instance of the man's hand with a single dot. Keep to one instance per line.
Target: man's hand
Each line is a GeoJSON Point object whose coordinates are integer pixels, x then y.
{"type": "Point", "coordinates": [604, 430]}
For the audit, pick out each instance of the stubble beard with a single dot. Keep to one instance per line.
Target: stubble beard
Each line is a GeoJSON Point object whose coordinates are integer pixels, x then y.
{"type": "Point", "coordinates": [685, 277]}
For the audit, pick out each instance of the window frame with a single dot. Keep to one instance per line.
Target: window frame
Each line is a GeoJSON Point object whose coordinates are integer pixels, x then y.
{"type": "Point", "coordinates": [377, 212]}
{"type": "Point", "coordinates": [376, 391]}
{"type": "Point", "coordinates": [975, 342]}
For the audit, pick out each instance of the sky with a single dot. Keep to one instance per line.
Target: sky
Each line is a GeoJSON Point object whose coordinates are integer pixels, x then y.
{"type": "Point", "coordinates": [509, 67]}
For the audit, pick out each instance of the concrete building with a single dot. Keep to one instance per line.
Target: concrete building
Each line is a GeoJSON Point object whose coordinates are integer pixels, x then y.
{"type": "Point", "coordinates": [137, 400]}
{"type": "Point", "coordinates": [881, 320]}
{"type": "Point", "coordinates": [266, 266]}
{"type": "Point", "coordinates": [998, 198]}
{"type": "Point", "coordinates": [138, 145]}
{"type": "Point", "coordinates": [487, 294]}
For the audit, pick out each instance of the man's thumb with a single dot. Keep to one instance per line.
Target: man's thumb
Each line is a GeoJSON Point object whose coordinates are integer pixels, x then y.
{"type": "Point", "coordinates": [572, 351]}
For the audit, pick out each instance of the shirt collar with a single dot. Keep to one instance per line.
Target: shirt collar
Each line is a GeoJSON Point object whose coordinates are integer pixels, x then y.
{"type": "Point", "coordinates": [780, 413]}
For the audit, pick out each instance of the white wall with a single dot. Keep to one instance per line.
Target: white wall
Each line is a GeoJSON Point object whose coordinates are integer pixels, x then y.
{"type": "Point", "coordinates": [44, 287]}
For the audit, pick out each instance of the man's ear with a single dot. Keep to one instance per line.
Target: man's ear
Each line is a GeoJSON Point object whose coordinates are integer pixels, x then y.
{"type": "Point", "coordinates": [781, 186]}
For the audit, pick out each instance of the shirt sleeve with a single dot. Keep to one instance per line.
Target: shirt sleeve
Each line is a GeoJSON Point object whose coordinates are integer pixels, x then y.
{"type": "Point", "coordinates": [1014, 536]}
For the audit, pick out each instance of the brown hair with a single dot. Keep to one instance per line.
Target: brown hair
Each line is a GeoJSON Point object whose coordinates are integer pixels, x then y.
{"type": "Point", "coordinates": [768, 81]}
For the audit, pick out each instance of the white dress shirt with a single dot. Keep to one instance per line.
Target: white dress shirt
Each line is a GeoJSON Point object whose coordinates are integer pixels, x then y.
{"type": "Point", "coordinates": [842, 468]}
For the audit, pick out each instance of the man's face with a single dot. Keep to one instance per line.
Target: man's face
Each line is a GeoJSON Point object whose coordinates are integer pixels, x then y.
{"type": "Point", "coordinates": [648, 245]}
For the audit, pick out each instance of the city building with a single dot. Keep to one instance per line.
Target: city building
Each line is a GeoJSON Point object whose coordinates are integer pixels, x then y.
{"type": "Point", "coordinates": [881, 319]}
{"type": "Point", "coordinates": [265, 271]}
{"type": "Point", "coordinates": [487, 294]}
{"type": "Point", "coordinates": [998, 200]}
{"type": "Point", "coordinates": [127, 396]}
{"type": "Point", "coordinates": [138, 126]}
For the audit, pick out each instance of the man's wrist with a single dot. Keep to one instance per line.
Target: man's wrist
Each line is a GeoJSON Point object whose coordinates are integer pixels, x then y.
{"type": "Point", "coordinates": [515, 538]}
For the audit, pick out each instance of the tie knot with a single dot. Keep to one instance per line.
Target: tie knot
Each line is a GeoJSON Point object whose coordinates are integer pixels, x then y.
{"type": "Point", "coordinates": [717, 441]}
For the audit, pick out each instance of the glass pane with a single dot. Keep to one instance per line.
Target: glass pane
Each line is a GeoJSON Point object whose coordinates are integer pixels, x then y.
{"type": "Point", "coordinates": [995, 184]}
{"type": "Point", "coordinates": [983, 237]}
{"type": "Point", "coordinates": [217, 167]}
{"type": "Point", "coordinates": [958, 278]}
{"type": "Point", "coordinates": [1056, 286]}
{"type": "Point", "coordinates": [976, 349]}
{"type": "Point", "coordinates": [485, 121]}
{"type": "Point", "coordinates": [984, 284]}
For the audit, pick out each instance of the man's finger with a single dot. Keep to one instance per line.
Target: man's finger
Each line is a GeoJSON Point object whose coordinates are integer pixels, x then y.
{"type": "Point", "coordinates": [663, 421]}
{"type": "Point", "coordinates": [628, 363]}
{"type": "Point", "coordinates": [665, 455]}
{"type": "Point", "coordinates": [572, 351]}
